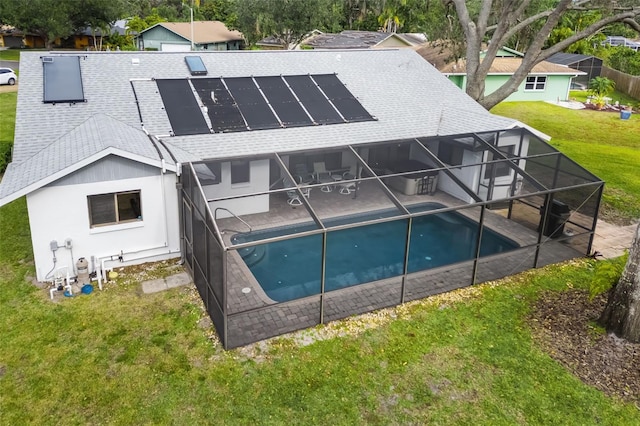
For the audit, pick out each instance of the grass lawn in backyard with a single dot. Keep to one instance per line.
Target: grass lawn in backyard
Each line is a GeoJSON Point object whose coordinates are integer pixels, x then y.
{"type": "Point", "coordinates": [600, 141]}
{"type": "Point", "coordinates": [120, 357]}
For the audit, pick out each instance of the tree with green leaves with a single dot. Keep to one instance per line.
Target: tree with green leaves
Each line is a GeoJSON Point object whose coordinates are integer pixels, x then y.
{"type": "Point", "coordinates": [61, 18]}
{"type": "Point", "coordinates": [287, 20]}
{"type": "Point", "coordinates": [47, 19]}
{"type": "Point", "coordinates": [497, 22]}
{"type": "Point", "coordinates": [601, 86]}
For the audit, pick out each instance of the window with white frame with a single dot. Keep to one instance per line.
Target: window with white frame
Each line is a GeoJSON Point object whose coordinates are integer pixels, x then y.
{"type": "Point", "coordinates": [535, 82]}
{"type": "Point", "coordinates": [114, 208]}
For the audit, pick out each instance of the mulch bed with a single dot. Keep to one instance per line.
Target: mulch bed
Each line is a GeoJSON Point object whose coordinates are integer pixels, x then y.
{"type": "Point", "coordinates": [564, 325]}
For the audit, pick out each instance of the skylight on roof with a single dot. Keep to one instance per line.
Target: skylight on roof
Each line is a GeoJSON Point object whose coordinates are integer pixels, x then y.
{"type": "Point", "coordinates": [62, 79]}
{"type": "Point", "coordinates": [195, 65]}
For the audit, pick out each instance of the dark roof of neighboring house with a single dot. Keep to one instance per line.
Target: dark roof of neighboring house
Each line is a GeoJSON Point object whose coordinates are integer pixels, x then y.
{"type": "Point", "coordinates": [510, 65]}
{"type": "Point", "coordinates": [568, 58]}
{"type": "Point", "coordinates": [354, 40]}
{"type": "Point", "coordinates": [123, 109]}
{"type": "Point", "coordinates": [203, 31]}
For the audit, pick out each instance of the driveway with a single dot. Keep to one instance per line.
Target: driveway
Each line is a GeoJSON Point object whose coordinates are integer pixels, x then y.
{"type": "Point", "coordinates": [10, 64]}
{"type": "Point", "coordinates": [6, 88]}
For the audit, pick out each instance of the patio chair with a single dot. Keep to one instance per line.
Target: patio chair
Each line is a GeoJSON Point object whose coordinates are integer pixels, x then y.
{"type": "Point", "coordinates": [347, 188]}
{"type": "Point", "coordinates": [323, 176]}
{"type": "Point", "coordinates": [293, 198]}
{"type": "Point", "coordinates": [301, 173]}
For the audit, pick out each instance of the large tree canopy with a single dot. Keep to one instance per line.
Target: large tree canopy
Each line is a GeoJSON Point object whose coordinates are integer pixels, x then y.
{"type": "Point", "coordinates": [497, 22]}
{"type": "Point", "coordinates": [287, 20]}
{"type": "Point", "coordinates": [60, 18]}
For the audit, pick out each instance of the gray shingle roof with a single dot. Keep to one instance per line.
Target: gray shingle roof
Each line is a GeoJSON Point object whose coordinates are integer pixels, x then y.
{"type": "Point", "coordinates": [408, 97]}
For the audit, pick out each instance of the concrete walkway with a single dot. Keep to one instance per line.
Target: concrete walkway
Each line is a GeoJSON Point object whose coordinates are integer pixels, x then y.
{"type": "Point", "coordinates": [611, 240]}
{"type": "Point", "coordinates": [161, 284]}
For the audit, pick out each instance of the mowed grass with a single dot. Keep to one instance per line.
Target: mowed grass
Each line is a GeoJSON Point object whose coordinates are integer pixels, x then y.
{"type": "Point", "coordinates": [10, 55]}
{"type": "Point", "coordinates": [120, 357]}
{"type": "Point", "coordinates": [599, 141]}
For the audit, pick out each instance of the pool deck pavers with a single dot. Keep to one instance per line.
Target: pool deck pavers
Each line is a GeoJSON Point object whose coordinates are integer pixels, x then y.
{"type": "Point", "coordinates": [610, 241]}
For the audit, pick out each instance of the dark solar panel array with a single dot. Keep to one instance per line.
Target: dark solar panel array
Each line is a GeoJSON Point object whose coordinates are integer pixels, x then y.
{"type": "Point", "coordinates": [252, 104]}
{"type": "Point", "coordinates": [343, 100]}
{"type": "Point", "coordinates": [255, 103]}
{"type": "Point", "coordinates": [221, 108]}
{"type": "Point", "coordinates": [182, 108]}
{"type": "Point", "coordinates": [62, 79]}
{"type": "Point", "coordinates": [283, 102]}
{"type": "Point", "coordinates": [313, 99]}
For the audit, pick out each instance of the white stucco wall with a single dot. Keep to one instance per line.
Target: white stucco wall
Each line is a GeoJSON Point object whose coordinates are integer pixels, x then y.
{"type": "Point", "coordinates": [500, 191]}
{"type": "Point", "coordinates": [61, 212]}
{"type": "Point", "coordinates": [259, 182]}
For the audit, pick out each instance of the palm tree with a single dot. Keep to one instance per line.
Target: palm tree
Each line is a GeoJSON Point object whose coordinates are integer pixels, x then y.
{"type": "Point", "coordinates": [601, 86]}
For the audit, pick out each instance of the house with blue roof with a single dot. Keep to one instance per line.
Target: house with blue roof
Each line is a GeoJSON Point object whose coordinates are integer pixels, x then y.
{"type": "Point", "coordinates": [296, 187]}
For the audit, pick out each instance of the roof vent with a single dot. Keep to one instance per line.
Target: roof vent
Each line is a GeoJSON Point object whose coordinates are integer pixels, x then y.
{"type": "Point", "coordinates": [135, 61]}
{"type": "Point", "coordinates": [47, 59]}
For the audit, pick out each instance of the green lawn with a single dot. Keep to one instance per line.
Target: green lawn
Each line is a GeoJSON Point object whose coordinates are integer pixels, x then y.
{"type": "Point", "coordinates": [120, 357]}
{"type": "Point", "coordinates": [600, 141]}
{"type": "Point", "coordinates": [10, 55]}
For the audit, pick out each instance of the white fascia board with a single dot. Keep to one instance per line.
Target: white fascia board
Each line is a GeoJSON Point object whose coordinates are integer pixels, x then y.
{"type": "Point", "coordinates": [80, 164]}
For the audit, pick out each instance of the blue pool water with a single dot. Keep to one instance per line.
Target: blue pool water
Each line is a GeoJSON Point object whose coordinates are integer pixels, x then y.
{"type": "Point", "coordinates": [290, 269]}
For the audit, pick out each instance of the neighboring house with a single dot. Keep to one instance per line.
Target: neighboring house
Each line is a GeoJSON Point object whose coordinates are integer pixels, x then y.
{"type": "Point", "coordinates": [133, 157]}
{"type": "Point", "coordinates": [13, 37]}
{"type": "Point", "coordinates": [352, 39]}
{"type": "Point", "coordinates": [545, 82]}
{"type": "Point", "coordinates": [589, 65]}
{"type": "Point", "coordinates": [89, 39]}
{"type": "Point", "coordinates": [622, 41]}
{"type": "Point", "coordinates": [177, 37]}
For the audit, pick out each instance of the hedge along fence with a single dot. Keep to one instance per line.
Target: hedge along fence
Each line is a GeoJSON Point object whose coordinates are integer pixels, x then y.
{"type": "Point", "coordinates": [625, 83]}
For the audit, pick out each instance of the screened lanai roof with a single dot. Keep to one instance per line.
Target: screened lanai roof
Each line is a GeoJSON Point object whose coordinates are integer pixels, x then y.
{"type": "Point", "coordinates": [314, 191]}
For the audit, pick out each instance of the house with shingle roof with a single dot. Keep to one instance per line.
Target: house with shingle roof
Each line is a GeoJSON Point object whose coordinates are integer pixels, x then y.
{"type": "Point", "coordinates": [356, 39]}
{"type": "Point", "coordinates": [547, 81]}
{"type": "Point", "coordinates": [178, 36]}
{"type": "Point", "coordinates": [132, 157]}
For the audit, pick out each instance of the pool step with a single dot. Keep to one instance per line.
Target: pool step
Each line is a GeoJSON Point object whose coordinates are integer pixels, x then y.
{"type": "Point", "coordinates": [253, 255]}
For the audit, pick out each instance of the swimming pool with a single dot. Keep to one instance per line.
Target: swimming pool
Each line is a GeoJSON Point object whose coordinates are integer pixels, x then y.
{"type": "Point", "coordinates": [291, 269]}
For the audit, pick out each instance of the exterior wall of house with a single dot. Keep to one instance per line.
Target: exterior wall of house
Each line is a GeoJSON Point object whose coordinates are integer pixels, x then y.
{"type": "Point", "coordinates": [60, 212]}
{"type": "Point", "coordinates": [155, 37]}
{"type": "Point", "coordinates": [557, 87]}
{"type": "Point", "coordinates": [502, 184]}
{"type": "Point", "coordinates": [391, 42]}
{"type": "Point", "coordinates": [259, 182]}
{"type": "Point", "coordinates": [224, 45]}
{"type": "Point", "coordinates": [458, 80]}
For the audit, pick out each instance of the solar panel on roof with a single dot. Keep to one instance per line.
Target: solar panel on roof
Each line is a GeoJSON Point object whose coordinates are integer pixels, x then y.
{"type": "Point", "coordinates": [316, 104]}
{"type": "Point", "coordinates": [341, 98]}
{"type": "Point", "coordinates": [181, 107]}
{"type": "Point", "coordinates": [221, 108]}
{"type": "Point", "coordinates": [251, 103]}
{"type": "Point", "coordinates": [195, 65]}
{"type": "Point", "coordinates": [283, 102]}
{"type": "Point", "coordinates": [62, 79]}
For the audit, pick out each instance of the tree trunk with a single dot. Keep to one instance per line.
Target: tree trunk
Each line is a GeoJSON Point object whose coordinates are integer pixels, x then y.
{"type": "Point", "coordinates": [621, 316]}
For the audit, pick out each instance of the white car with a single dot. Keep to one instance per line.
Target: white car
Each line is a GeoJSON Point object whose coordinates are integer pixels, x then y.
{"type": "Point", "coordinates": [7, 76]}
